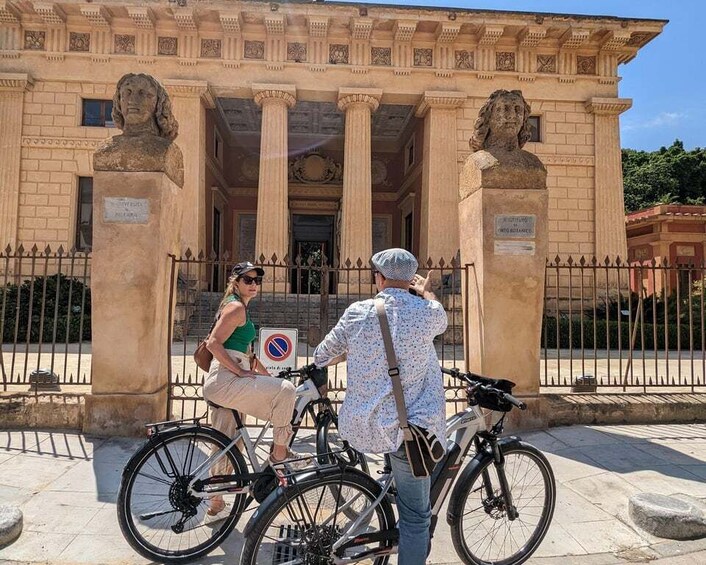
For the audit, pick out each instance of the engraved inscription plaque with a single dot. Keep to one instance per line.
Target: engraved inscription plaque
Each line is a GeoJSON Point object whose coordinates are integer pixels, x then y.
{"type": "Point", "coordinates": [126, 210]}
{"type": "Point", "coordinates": [515, 248]}
{"type": "Point", "coordinates": [515, 225]}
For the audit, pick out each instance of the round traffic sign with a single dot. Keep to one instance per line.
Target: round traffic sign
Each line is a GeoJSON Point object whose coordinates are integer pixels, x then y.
{"type": "Point", "coordinates": [278, 347]}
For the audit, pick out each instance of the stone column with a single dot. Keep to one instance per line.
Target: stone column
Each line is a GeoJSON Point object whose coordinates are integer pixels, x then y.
{"type": "Point", "coordinates": [611, 239]}
{"type": "Point", "coordinates": [356, 202]}
{"type": "Point", "coordinates": [190, 99]}
{"type": "Point", "coordinates": [503, 217]}
{"type": "Point", "coordinates": [12, 93]}
{"type": "Point", "coordinates": [439, 227]}
{"type": "Point", "coordinates": [272, 229]}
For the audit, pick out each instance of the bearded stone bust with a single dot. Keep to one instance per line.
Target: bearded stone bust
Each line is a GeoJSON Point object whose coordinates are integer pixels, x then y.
{"type": "Point", "coordinates": [499, 134]}
{"type": "Point", "coordinates": [143, 111]}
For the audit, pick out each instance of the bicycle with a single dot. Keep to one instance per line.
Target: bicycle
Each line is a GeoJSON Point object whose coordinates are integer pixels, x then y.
{"type": "Point", "coordinates": [499, 511]}
{"type": "Point", "coordinates": [165, 486]}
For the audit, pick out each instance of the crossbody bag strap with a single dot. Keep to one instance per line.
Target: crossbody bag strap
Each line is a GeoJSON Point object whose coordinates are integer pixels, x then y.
{"type": "Point", "coordinates": [393, 370]}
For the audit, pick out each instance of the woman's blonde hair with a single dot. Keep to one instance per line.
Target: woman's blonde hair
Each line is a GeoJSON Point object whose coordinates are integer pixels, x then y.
{"type": "Point", "coordinates": [230, 291]}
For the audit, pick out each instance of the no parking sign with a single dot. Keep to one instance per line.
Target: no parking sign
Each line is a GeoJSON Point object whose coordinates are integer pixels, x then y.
{"type": "Point", "coordinates": [278, 348]}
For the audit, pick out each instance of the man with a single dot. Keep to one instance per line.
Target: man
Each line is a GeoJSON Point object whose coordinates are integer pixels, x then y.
{"type": "Point", "coordinates": [368, 417]}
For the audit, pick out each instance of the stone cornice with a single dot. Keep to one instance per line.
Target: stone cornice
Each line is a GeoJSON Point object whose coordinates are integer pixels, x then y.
{"type": "Point", "coordinates": [9, 14]}
{"type": "Point", "coordinates": [190, 89]}
{"type": "Point", "coordinates": [98, 16]}
{"type": "Point", "coordinates": [62, 142]}
{"type": "Point", "coordinates": [531, 36]}
{"type": "Point", "coordinates": [573, 38]}
{"type": "Point", "coordinates": [17, 82]}
{"type": "Point", "coordinates": [369, 96]}
{"type": "Point", "coordinates": [608, 106]}
{"type": "Point", "coordinates": [230, 22]}
{"type": "Point", "coordinates": [285, 92]}
{"type": "Point", "coordinates": [616, 39]}
{"type": "Point", "coordinates": [440, 99]}
{"type": "Point", "coordinates": [404, 30]}
{"type": "Point", "coordinates": [361, 28]}
{"type": "Point", "coordinates": [51, 13]}
{"type": "Point", "coordinates": [142, 16]}
{"type": "Point", "coordinates": [489, 35]}
{"type": "Point", "coordinates": [447, 32]}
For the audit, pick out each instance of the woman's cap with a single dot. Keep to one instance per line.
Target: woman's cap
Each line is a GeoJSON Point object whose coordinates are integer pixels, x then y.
{"type": "Point", "coordinates": [241, 268]}
{"type": "Point", "coordinates": [395, 264]}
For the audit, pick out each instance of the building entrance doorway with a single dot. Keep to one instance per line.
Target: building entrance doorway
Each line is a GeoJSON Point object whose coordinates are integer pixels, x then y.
{"type": "Point", "coordinates": [313, 243]}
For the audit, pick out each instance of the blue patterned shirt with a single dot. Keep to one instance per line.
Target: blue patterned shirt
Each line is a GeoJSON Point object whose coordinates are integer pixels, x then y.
{"type": "Point", "coordinates": [368, 417]}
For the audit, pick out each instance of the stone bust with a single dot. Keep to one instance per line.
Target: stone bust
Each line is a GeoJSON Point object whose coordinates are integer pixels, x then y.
{"type": "Point", "coordinates": [499, 134]}
{"type": "Point", "coordinates": [143, 111]}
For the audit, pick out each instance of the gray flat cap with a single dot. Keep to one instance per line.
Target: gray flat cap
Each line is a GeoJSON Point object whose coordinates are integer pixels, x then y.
{"type": "Point", "coordinates": [395, 264]}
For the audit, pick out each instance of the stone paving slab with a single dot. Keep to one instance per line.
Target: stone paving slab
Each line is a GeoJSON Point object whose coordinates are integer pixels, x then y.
{"type": "Point", "coordinates": [66, 483]}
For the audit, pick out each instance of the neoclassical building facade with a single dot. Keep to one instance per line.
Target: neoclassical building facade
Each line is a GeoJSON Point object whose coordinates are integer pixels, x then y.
{"type": "Point", "coordinates": [308, 127]}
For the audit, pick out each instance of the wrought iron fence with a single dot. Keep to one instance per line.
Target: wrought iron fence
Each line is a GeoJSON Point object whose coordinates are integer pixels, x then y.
{"type": "Point", "coordinates": [45, 318]}
{"type": "Point", "coordinates": [308, 295]}
{"type": "Point", "coordinates": [623, 327]}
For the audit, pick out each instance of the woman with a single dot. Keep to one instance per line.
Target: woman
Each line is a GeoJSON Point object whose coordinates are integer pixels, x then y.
{"type": "Point", "coordinates": [232, 383]}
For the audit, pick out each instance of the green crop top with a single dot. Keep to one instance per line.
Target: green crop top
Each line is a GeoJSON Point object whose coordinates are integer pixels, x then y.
{"type": "Point", "coordinates": [242, 336]}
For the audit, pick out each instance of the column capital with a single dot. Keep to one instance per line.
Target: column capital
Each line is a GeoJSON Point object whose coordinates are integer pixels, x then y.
{"type": "Point", "coordinates": [190, 89]}
{"type": "Point", "coordinates": [15, 82]}
{"type": "Point", "coordinates": [608, 106]}
{"type": "Point", "coordinates": [449, 100]}
{"type": "Point", "coordinates": [369, 96]}
{"type": "Point", "coordinates": [286, 92]}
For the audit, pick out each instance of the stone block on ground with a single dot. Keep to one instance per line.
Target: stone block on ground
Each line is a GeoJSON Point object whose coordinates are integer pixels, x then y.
{"type": "Point", "coordinates": [678, 517]}
{"type": "Point", "coordinates": [10, 524]}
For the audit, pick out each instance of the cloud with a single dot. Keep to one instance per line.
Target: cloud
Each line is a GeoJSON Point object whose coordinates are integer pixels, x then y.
{"type": "Point", "coordinates": [665, 119]}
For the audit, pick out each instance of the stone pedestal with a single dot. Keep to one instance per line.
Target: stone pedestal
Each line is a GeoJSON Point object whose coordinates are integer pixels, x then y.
{"type": "Point", "coordinates": [136, 224]}
{"type": "Point", "coordinates": [503, 227]}
{"type": "Point", "coordinates": [357, 199]}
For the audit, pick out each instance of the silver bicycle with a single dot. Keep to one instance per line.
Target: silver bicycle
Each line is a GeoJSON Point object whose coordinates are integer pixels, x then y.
{"type": "Point", "coordinates": [500, 507]}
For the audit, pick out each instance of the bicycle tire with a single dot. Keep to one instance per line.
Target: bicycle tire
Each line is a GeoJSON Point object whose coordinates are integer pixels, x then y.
{"type": "Point", "coordinates": [153, 538]}
{"type": "Point", "coordinates": [284, 516]}
{"type": "Point", "coordinates": [484, 509]}
{"type": "Point", "coordinates": [329, 442]}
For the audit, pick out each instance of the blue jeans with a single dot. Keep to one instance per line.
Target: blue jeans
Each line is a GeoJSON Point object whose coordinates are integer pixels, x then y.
{"type": "Point", "coordinates": [414, 511]}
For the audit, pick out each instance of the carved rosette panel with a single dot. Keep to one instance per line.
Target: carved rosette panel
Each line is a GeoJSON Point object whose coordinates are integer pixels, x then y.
{"type": "Point", "coordinates": [124, 44]}
{"type": "Point", "coordinates": [378, 170]}
{"type": "Point", "coordinates": [338, 54]}
{"type": "Point", "coordinates": [254, 49]}
{"type": "Point", "coordinates": [585, 65]}
{"type": "Point", "coordinates": [167, 45]}
{"type": "Point", "coordinates": [315, 169]}
{"type": "Point", "coordinates": [35, 40]}
{"type": "Point", "coordinates": [79, 42]}
{"type": "Point", "coordinates": [423, 57]}
{"type": "Point", "coordinates": [250, 168]}
{"type": "Point", "coordinates": [296, 52]}
{"type": "Point", "coordinates": [211, 48]}
{"type": "Point", "coordinates": [546, 63]}
{"type": "Point", "coordinates": [465, 60]}
{"type": "Point", "coordinates": [381, 56]}
{"type": "Point", "coordinates": [504, 61]}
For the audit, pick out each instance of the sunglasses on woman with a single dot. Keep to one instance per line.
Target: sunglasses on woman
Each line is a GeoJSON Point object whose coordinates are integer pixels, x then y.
{"type": "Point", "coordinates": [249, 280]}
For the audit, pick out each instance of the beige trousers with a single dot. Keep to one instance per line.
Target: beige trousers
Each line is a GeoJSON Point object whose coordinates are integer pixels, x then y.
{"type": "Point", "coordinates": [266, 398]}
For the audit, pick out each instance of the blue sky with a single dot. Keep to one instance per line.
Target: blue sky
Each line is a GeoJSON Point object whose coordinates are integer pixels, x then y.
{"type": "Point", "coordinates": [667, 79]}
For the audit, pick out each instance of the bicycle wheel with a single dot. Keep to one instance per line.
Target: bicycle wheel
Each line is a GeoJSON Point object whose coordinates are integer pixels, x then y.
{"type": "Point", "coordinates": [483, 534]}
{"type": "Point", "coordinates": [329, 443]}
{"type": "Point", "coordinates": [305, 519]}
{"type": "Point", "coordinates": [158, 517]}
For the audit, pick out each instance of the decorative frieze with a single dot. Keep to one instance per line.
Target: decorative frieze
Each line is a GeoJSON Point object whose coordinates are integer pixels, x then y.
{"type": "Point", "coordinates": [531, 36]}
{"type": "Point", "coordinates": [15, 82]}
{"type": "Point", "coordinates": [124, 44]}
{"type": "Point", "coordinates": [404, 30]}
{"type": "Point", "coordinates": [573, 38]}
{"type": "Point", "coordinates": [230, 22]}
{"type": "Point", "coordinates": [546, 63]}
{"type": "Point", "coordinates": [254, 49]}
{"type": "Point", "coordinates": [167, 45]}
{"type": "Point", "coordinates": [211, 48]}
{"type": "Point", "coordinates": [338, 54]}
{"type": "Point", "coordinates": [296, 52]}
{"type": "Point", "coordinates": [35, 40]}
{"type": "Point", "coordinates": [423, 57]}
{"type": "Point", "coordinates": [314, 168]}
{"type": "Point", "coordinates": [504, 61]}
{"type": "Point", "coordinates": [447, 32]}
{"type": "Point", "coordinates": [185, 19]}
{"type": "Point", "coordinates": [381, 56]}
{"type": "Point", "coordinates": [318, 26]}
{"type": "Point", "coordinates": [275, 24]}
{"type": "Point", "coordinates": [464, 60]}
{"type": "Point", "coordinates": [638, 39]}
{"type": "Point", "coordinates": [490, 34]}
{"type": "Point", "coordinates": [61, 142]}
{"type": "Point", "coordinates": [585, 65]}
{"type": "Point", "coordinates": [79, 42]}
{"type": "Point", "coordinates": [361, 28]}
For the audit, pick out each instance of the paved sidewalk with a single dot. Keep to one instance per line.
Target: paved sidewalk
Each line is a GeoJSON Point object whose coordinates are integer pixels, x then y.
{"type": "Point", "coordinates": [66, 485]}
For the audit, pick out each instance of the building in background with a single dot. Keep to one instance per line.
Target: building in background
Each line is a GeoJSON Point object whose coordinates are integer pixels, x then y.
{"type": "Point", "coordinates": [311, 129]}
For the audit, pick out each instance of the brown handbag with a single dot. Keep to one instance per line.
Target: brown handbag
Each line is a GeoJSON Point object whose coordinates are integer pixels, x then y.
{"type": "Point", "coordinates": [202, 356]}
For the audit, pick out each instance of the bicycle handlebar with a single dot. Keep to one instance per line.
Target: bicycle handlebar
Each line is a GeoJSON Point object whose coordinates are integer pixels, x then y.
{"type": "Point", "coordinates": [486, 384]}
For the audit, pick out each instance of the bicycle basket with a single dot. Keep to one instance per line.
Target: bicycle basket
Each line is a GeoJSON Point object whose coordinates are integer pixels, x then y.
{"type": "Point", "coordinates": [491, 400]}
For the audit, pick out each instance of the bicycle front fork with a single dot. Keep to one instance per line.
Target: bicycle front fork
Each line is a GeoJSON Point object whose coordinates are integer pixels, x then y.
{"type": "Point", "coordinates": [505, 494]}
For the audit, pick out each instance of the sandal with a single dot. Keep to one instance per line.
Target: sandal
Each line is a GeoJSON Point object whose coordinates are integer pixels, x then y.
{"type": "Point", "coordinates": [216, 506]}
{"type": "Point", "coordinates": [293, 461]}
